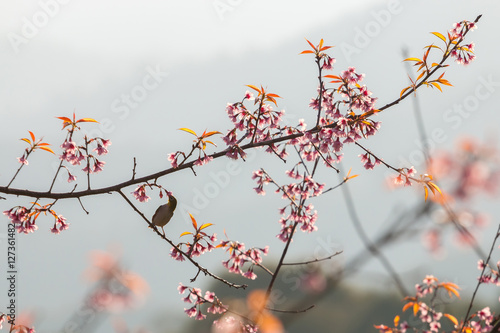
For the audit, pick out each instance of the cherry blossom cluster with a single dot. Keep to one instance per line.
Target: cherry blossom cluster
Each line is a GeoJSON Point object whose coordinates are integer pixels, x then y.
{"type": "Point", "coordinates": [74, 154]}
{"type": "Point", "coordinates": [140, 192]}
{"type": "Point", "coordinates": [200, 144]}
{"type": "Point", "coordinates": [201, 243]}
{"type": "Point", "coordinates": [230, 323]}
{"type": "Point", "coordinates": [491, 275]}
{"type": "Point", "coordinates": [405, 176]}
{"type": "Point", "coordinates": [239, 256]}
{"type": "Point", "coordinates": [366, 159]}
{"type": "Point", "coordinates": [484, 321]}
{"type": "Point", "coordinates": [259, 125]}
{"type": "Point", "coordinates": [297, 194]}
{"type": "Point", "coordinates": [338, 129]}
{"type": "Point", "coordinates": [429, 317]}
{"type": "Point", "coordinates": [24, 219]}
{"type": "Point", "coordinates": [195, 297]}
{"type": "Point", "coordinates": [463, 54]}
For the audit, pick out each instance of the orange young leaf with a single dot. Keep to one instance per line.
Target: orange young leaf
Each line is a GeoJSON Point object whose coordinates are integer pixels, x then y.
{"type": "Point", "coordinates": [47, 149]}
{"type": "Point", "coordinates": [207, 141]}
{"type": "Point", "coordinates": [451, 288]}
{"type": "Point", "coordinates": [396, 321]}
{"type": "Point", "coordinates": [270, 99]}
{"type": "Point", "coordinates": [185, 233]}
{"type": "Point", "coordinates": [320, 43]}
{"type": "Point", "coordinates": [306, 51]}
{"type": "Point", "coordinates": [426, 54]}
{"type": "Point", "coordinates": [413, 59]}
{"type": "Point", "coordinates": [273, 95]}
{"type": "Point", "coordinates": [254, 88]}
{"type": "Point", "coordinates": [416, 306]}
{"type": "Point", "coordinates": [311, 44]}
{"type": "Point", "coordinates": [206, 135]}
{"type": "Point", "coordinates": [433, 187]}
{"type": "Point", "coordinates": [195, 225]}
{"type": "Point", "coordinates": [403, 91]}
{"type": "Point", "coordinates": [445, 82]}
{"type": "Point", "coordinates": [206, 225]}
{"type": "Point", "coordinates": [27, 141]}
{"type": "Point", "coordinates": [83, 120]}
{"type": "Point", "coordinates": [65, 119]}
{"type": "Point", "coordinates": [451, 318]}
{"type": "Point", "coordinates": [437, 86]}
{"type": "Point", "coordinates": [426, 193]}
{"type": "Point", "coordinates": [32, 136]}
{"type": "Point", "coordinates": [407, 305]}
{"type": "Point", "coordinates": [188, 130]}
{"type": "Point", "coordinates": [440, 36]}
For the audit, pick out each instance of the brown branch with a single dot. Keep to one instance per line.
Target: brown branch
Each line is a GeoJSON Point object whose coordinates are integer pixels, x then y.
{"type": "Point", "coordinates": [479, 280]}
{"type": "Point", "coordinates": [291, 311]}
{"type": "Point", "coordinates": [196, 264]}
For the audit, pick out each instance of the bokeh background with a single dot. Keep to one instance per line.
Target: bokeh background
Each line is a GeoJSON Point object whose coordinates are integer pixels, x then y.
{"type": "Point", "coordinates": [60, 57]}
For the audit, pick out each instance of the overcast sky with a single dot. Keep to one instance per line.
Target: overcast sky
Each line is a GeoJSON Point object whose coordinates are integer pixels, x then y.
{"type": "Point", "coordinates": [191, 58]}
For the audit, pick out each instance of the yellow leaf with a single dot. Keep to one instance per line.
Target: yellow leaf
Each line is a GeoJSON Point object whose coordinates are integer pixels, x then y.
{"type": "Point", "coordinates": [396, 321]}
{"type": "Point", "coordinates": [273, 95]}
{"type": "Point", "coordinates": [407, 305]}
{"type": "Point", "coordinates": [87, 120]}
{"type": "Point", "coordinates": [415, 308]}
{"type": "Point", "coordinates": [207, 141]}
{"type": "Point", "coordinates": [206, 225]}
{"type": "Point", "coordinates": [188, 130]}
{"type": "Point", "coordinates": [451, 318]}
{"type": "Point", "coordinates": [254, 88]}
{"type": "Point", "coordinates": [437, 86]}
{"type": "Point", "coordinates": [47, 149]}
{"type": "Point", "coordinates": [185, 233]}
{"type": "Point", "coordinates": [311, 44]}
{"type": "Point", "coordinates": [195, 225]}
{"type": "Point", "coordinates": [413, 59]}
{"type": "Point", "coordinates": [206, 135]}
{"type": "Point", "coordinates": [26, 140]}
{"type": "Point", "coordinates": [403, 91]}
{"type": "Point", "coordinates": [440, 36]}
{"type": "Point", "coordinates": [426, 193]}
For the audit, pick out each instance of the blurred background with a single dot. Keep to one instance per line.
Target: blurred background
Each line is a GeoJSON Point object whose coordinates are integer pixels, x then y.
{"type": "Point", "coordinates": [145, 69]}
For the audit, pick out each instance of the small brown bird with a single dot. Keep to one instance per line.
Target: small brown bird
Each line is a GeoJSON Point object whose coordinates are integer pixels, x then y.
{"type": "Point", "coordinates": [165, 212]}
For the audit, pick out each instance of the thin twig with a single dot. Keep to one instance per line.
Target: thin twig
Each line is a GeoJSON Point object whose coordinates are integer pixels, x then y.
{"type": "Point", "coordinates": [291, 311]}
{"type": "Point", "coordinates": [479, 280]}
{"type": "Point", "coordinates": [368, 244]}
{"type": "Point", "coordinates": [197, 265]}
{"type": "Point", "coordinates": [313, 261]}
